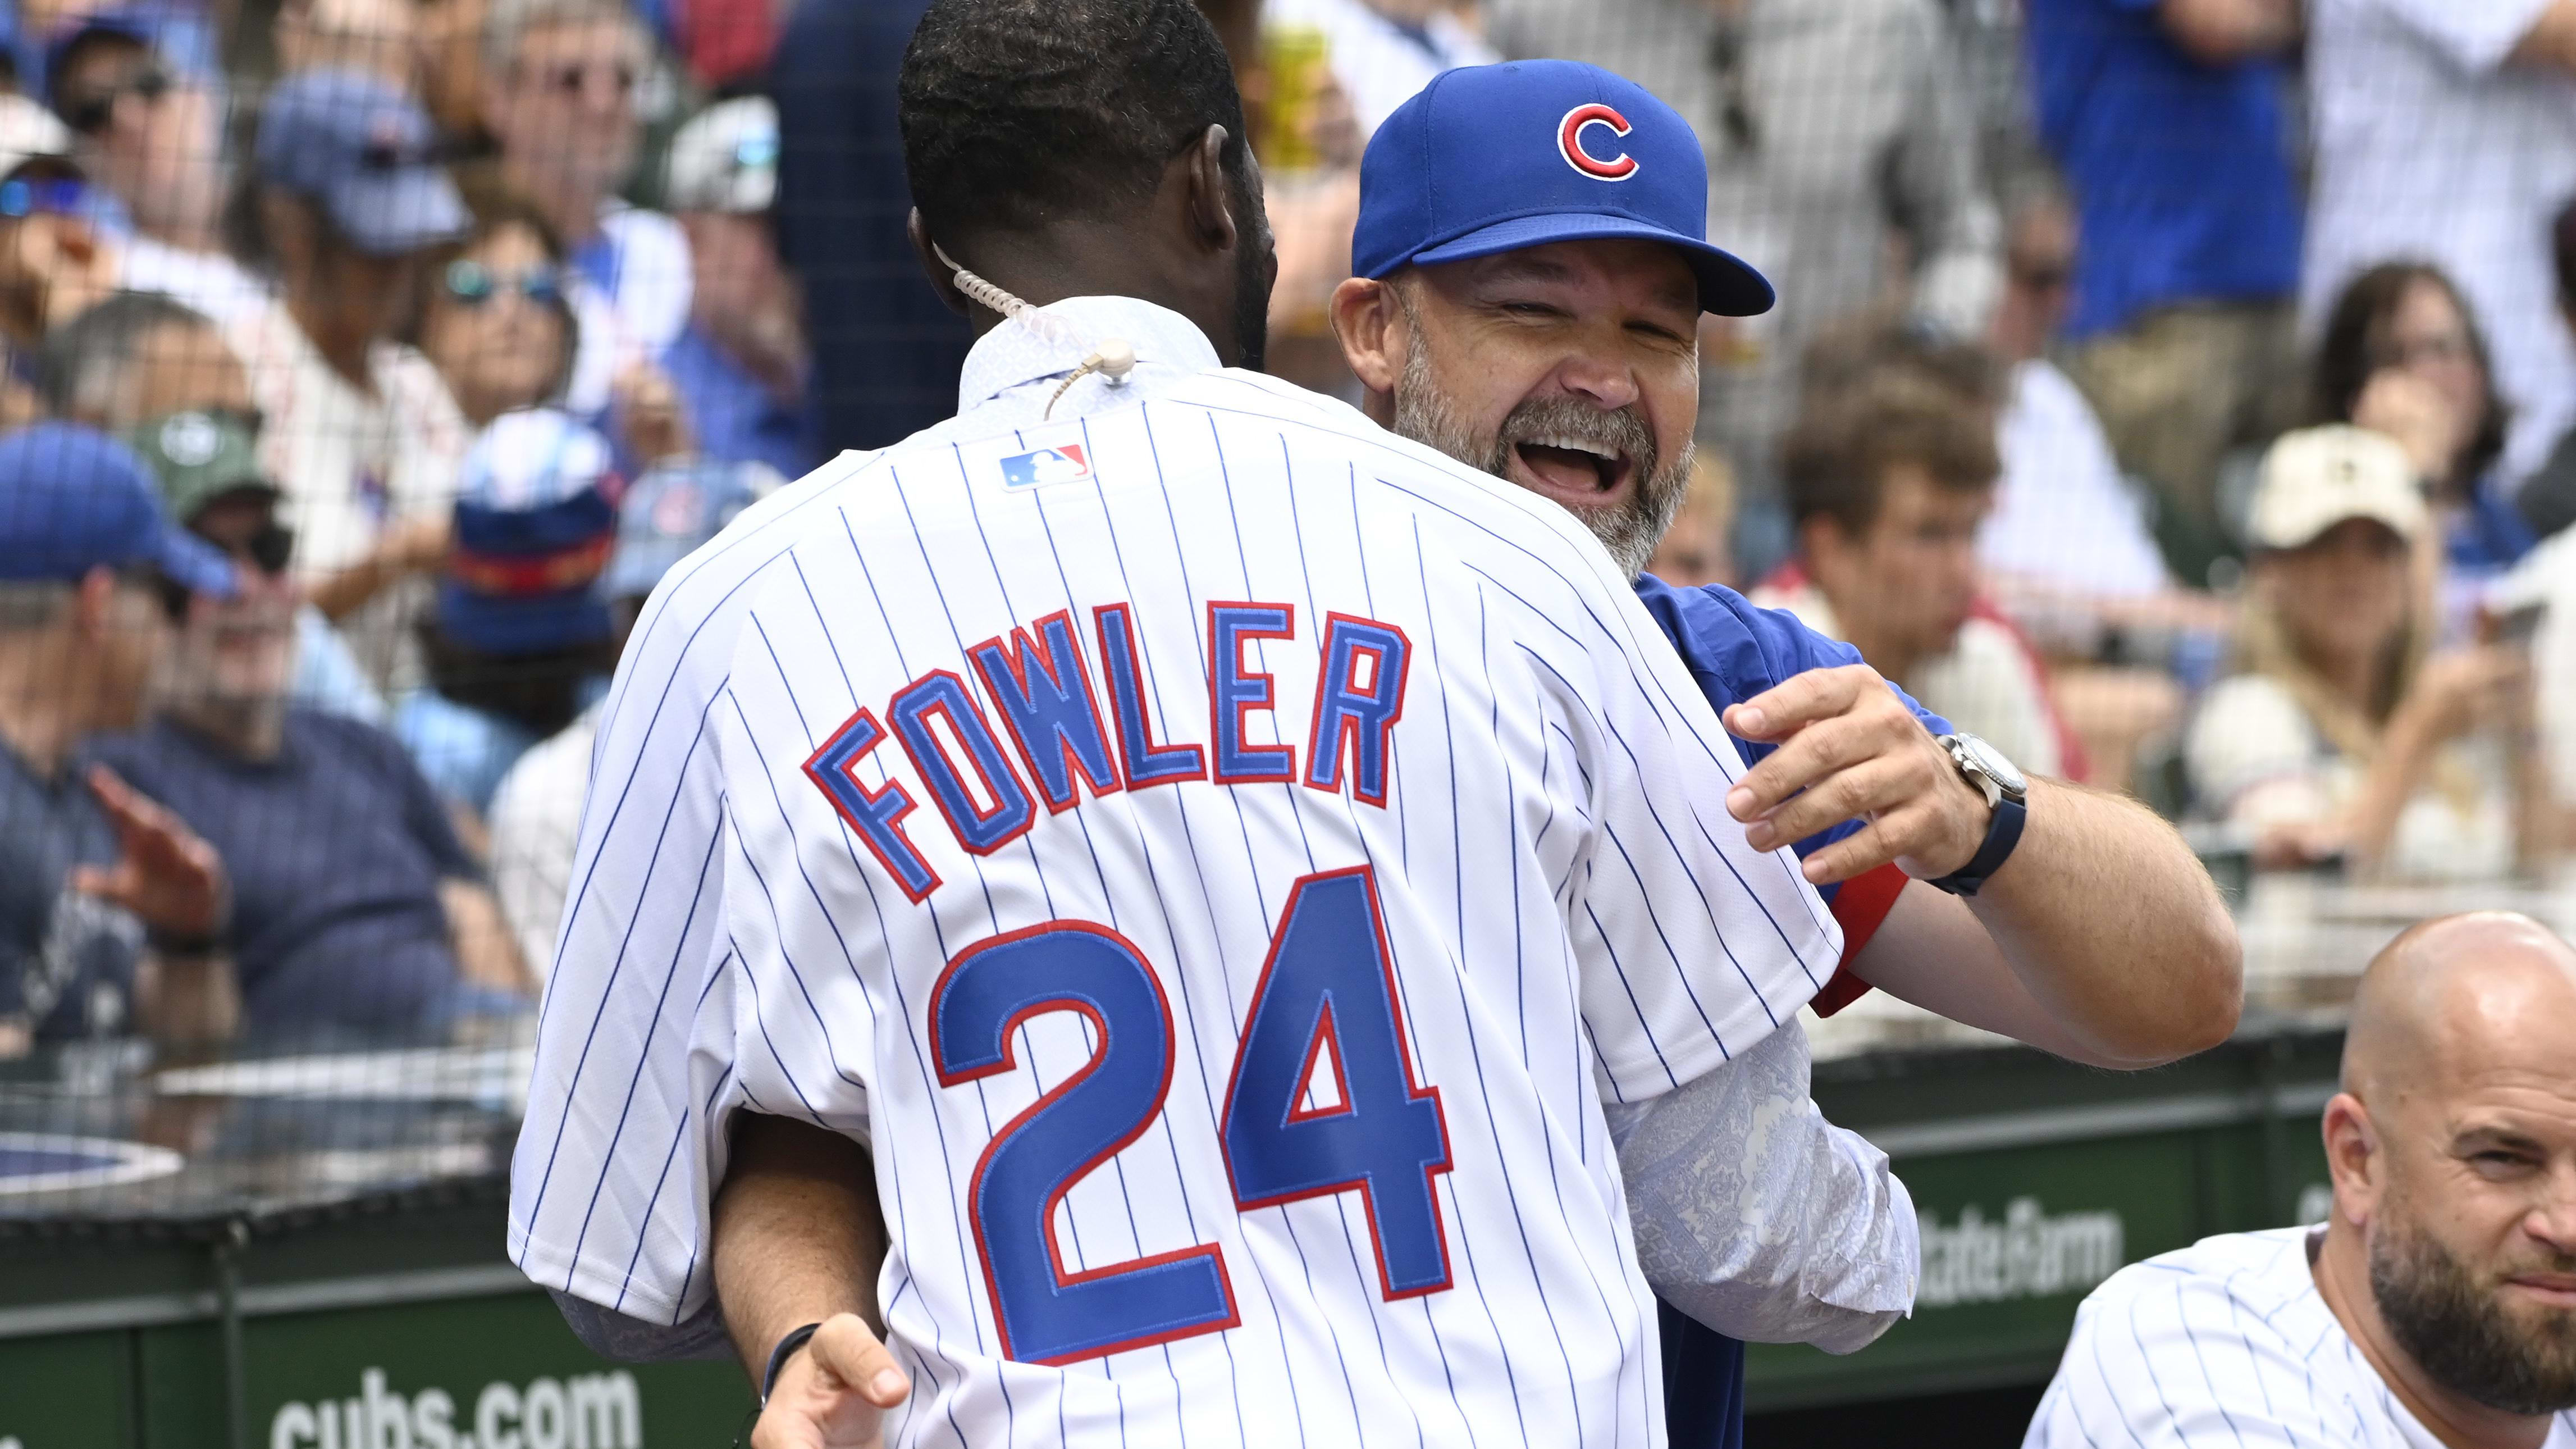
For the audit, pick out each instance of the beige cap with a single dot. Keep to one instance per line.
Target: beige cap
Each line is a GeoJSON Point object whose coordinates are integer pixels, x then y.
{"type": "Point", "coordinates": [2316, 478]}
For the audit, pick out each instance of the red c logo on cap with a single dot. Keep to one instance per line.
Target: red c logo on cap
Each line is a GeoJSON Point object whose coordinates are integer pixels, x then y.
{"type": "Point", "coordinates": [1568, 144]}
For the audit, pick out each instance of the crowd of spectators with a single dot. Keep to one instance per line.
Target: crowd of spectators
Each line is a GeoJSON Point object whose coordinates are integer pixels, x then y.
{"type": "Point", "coordinates": [2178, 393]}
{"type": "Point", "coordinates": [352, 405]}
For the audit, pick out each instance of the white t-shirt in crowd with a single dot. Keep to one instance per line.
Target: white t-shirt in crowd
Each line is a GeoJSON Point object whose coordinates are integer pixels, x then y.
{"type": "Point", "coordinates": [2063, 514]}
{"type": "Point", "coordinates": [536, 825]}
{"type": "Point", "coordinates": [637, 317]}
{"type": "Point", "coordinates": [1988, 684]}
{"type": "Point", "coordinates": [2429, 147]}
{"type": "Point", "coordinates": [352, 462]}
{"type": "Point", "coordinates": [2255, 757]}
{"type": "Point", "coordinates": [2226, 1342]}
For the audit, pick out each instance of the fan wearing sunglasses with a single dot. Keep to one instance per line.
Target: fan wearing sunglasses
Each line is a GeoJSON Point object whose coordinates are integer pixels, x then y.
{"type": "Point", "coordinates": [153, 371]}
{"type": "Point", "coordinates": [357, 909]}
{"type": "Point", "coordinates": [149, 134]}
{"type": "Point", "coordinates": [559, 88]}
{"type": "Point", "coordinates": [494, 318]}
{"type": "Point", "coordinates": [498, 322]}
{"type": "Point", "coordinates": [53, 262]}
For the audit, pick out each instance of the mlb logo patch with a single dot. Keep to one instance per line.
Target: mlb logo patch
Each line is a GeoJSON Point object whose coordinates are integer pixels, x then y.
{"type": "Point", "coordinates": [1062, 463]}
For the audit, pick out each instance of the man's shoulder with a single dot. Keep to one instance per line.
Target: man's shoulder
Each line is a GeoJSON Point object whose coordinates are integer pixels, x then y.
{"type": "Point", "coordinates": [1990, 653]}
{"type": "Point", "coordinates": [2262, 1275]}
{"type": "Point", "coordinates": [343, 737]}
{"type": "Point", "coordinates": [2044, 393]}
{"type": "Point", "coordinates": [1750, 648]}
{"type": "Point", "coordinates": [633, 226]}
{"type": "Point", "coordinates": [551, 773]}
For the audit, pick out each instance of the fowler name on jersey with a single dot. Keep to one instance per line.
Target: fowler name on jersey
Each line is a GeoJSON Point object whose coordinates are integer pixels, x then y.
{"type": "Point", "coordinates": [1042, 690]}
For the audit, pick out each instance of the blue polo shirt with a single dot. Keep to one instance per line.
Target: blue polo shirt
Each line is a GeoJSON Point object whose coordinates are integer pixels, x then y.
{"type": "Point", "coordinates": [1735, 651]}
{"type": "Point", "coordinates": [2181, 170]}
{"type": "Point", "coordinates": [336, 849]}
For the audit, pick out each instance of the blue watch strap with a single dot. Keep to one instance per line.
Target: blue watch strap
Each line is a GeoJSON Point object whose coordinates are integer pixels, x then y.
{"type": "Point", "coordinates": [2002, 834]}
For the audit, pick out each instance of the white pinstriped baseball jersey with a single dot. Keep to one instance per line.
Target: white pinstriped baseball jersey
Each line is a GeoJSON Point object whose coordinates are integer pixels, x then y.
{"type": "Point", "coordinates": [1220, 856]}
{"type": "Point", "coordinates": [2226, 1342]}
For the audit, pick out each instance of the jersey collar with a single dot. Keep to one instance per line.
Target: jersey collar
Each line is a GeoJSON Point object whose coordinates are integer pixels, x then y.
{"type": "Point", "coordinates": [1168, 347]}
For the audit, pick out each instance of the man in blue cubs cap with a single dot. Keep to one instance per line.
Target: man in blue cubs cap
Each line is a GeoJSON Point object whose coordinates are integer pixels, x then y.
{"type": "Point", "coordinates": [362, 150]}
{"type": "Point", "coordinates": [1533, 262]}
{"type": "Point", "coordinates": [93, 875]}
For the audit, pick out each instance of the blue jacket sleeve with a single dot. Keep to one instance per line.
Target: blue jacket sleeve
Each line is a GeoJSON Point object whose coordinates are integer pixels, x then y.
{"type": "Point", "coordinates": [1737, 651]}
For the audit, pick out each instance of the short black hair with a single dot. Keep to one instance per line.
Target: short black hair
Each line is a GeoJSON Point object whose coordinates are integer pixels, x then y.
{"type": "Point", "coordinates": [1017, 110]}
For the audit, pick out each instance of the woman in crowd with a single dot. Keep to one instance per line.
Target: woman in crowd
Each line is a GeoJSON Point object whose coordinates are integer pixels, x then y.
{"type": "Point", "coordinates": [495, 319]}
{"type": "Point", "coordinates": [2402, 355]}
{"type": "Point", "coordinates": [2344, 735]}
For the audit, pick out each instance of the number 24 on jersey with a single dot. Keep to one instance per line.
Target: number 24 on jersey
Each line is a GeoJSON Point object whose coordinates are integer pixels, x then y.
{"type": "Point", "coordinates": [1326, 1001]}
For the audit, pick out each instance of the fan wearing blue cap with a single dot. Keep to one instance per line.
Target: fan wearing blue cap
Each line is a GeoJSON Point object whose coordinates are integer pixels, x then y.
{"type": "Point", "coordinates": [1533, 263]}
{"type": "Point", "coordinates": [93, 874]}
{"type": "Point", "coordinates": [343, 198]}
{"type": "Point", "coordinates": [519, 641]}
{"type": "Point", "coordinates": [1542, 227]}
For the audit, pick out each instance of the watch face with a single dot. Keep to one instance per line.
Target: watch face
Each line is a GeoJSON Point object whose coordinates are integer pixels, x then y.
{"type": "Point", "coordinates": [1992, 762]}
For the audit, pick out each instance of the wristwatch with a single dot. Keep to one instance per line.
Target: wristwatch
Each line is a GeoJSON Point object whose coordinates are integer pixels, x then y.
{"type": "Point", "coordinates": [2006, 791]}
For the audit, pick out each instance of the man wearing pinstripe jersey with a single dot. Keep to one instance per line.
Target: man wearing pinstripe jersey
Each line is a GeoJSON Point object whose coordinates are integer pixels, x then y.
{"type": "Point", "coordinates": [2437, 1306]}
{"type": "Point", "coordinates": [1547, 355]}
{"type": "Point", "coordinates": [1251, 1090]}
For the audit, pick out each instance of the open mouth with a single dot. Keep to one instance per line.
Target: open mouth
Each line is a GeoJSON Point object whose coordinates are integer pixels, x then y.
{"type": "Point", "coordinates": [1575, 468]}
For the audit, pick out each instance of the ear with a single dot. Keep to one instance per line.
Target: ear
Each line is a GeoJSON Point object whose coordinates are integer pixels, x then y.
{"type": "Point", "coordinates": [1821, 540]}
{"type": "Point", "coordinates": [1209, 202]}
{"type": "Point", "coordinates": [2352, 1159]}
{"type": "Point", "coordinates": [942, 280]}
{"type": "Point", "coordinates": [1370, 326]}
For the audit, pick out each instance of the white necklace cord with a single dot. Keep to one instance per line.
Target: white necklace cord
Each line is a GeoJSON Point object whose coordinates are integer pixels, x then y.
{"type": "Point", "coordinates": [1113, 358]}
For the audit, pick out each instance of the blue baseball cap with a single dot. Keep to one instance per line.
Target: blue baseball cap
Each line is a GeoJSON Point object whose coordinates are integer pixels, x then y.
{"type": "Point", "coordinates": [1497, 158]}
{"type": "Point", "coordinates": [365, 152]}
{"type": "Point", "coordinates": [534, 524]}
{"type": "Point", "coordinates": [73, 499]}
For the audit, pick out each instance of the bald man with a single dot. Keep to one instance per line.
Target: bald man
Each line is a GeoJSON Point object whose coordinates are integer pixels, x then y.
{"type": "Point", "coordinates": [2437, 1306]}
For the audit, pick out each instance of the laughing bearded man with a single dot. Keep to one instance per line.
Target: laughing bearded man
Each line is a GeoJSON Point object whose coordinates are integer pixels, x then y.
{"type": "Point", "coordinates": [1529, 302]}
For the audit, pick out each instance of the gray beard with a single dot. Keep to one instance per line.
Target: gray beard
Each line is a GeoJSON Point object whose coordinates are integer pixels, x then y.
{"type": "Point", "coordinates": [2461, 1337]}
{"type": "Point", "coordinates": [1629, 530]}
